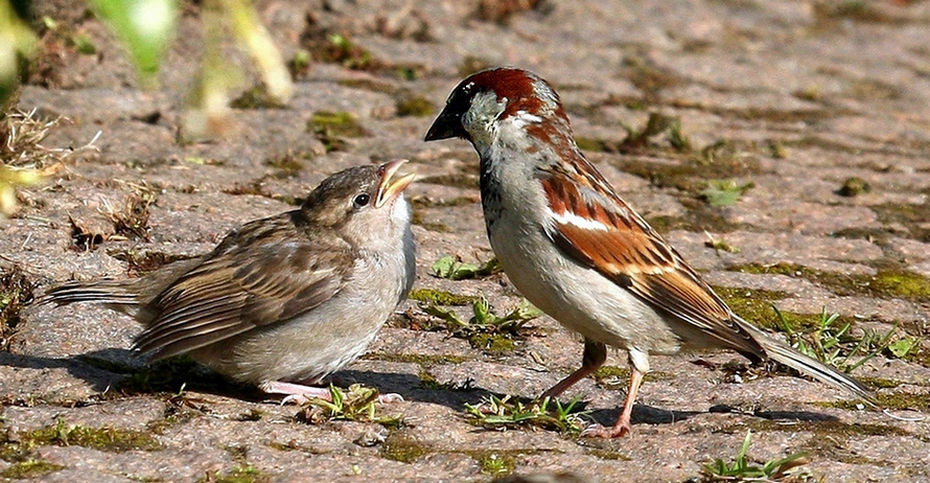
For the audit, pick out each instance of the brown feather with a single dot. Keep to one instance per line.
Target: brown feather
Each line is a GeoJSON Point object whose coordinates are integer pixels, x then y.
{"type": "Point", "coordinates": [247, 282]}
{"type": "Point", "coordinates": [629, 252]}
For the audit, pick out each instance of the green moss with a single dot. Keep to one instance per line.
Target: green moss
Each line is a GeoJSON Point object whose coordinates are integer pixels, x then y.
{"type": "Point", "coordinates": [901, 284]}
{"type": "Point", "coordinates": [878, 382]}
{"type": "Point", "coordinates": [429, 381]}
{"type": "Point", "coordinates": [159, 426]}
{"type": "Point", "coordinates": [251, 415]}
{"type": "Point", "coordinates": [887, 283]}
{"type": "Point", "coordinates": [339, 48]}
{"type": "Point", "coordinates": [496, 463]}
{"type": "Point", "coordinates": [299, 64]}
{"type": "Point", "coordinates": [605, 373]}
{"type": "Point", "coordinates": [30, 469]}
{"type": "Point", "coordinates": [330, 127]}
{"type": "Point", "coordinates": [425, 360]}
{"type": "Point", "coordinates": [336, 124]}
{"type": "Point", "coordinates": [278, 446]}
{"type": "Point", "coordinates": [756, 307]}
{"type": "Point", "coordinates": [408, 72]}
{"type": "Point", "coordinates": [256, 98]}
{"type": "Point", "coordinates": [690, 177]}
{"type": "Point", "coordinates": [777, 149]}
{"type": "Point", "coordinates": [834, 428]}
{"type": "Point", "coordinates": [240, 474]}
{"type": "Point", "coordinates": [103, 438]}
{"type": "Point", "coordinates": [854, 186]}
{"type": "Point", "coordinates": [441, 297]}
{"type": "Point", "coordinates": [917, 402]}
{"type": "Point", "coordinates": [287, 166]}
{"type": "Point", "coordinates": [400, 447]}
{"type": "Point", "coordinates": [368, 85]}
{"type": "Point", "coordinates": [491, 342]}
{"type": "Point", "coordinates": [417, 106]}
{"type": "Point", "coordinates": [606, 454]}
{"type": "Point", "coordinates": [14, 451]}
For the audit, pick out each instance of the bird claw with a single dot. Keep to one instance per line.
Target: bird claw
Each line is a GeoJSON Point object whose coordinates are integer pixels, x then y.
{"type": "Point", "coordinates": [298, 399]}
{"type": "Point", "coordinates": [598, 431]}
{"type": "Point", "coordinates": [390, 397]}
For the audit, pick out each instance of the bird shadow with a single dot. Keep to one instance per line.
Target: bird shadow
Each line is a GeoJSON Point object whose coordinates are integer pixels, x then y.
{"type": "Point", "coordinates": [643, 414]}
{"type": "Point", "coordinates": [127, 372]}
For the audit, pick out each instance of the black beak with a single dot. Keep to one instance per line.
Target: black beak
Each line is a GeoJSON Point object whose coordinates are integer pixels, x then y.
{"type": "Point", "coordinates": [447, 125]}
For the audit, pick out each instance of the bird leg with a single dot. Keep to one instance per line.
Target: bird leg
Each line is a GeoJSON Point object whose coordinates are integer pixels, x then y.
{"type": "Point", "coordinates": [623, 426]}
{"type": "Point", "coordinates": [301, 394]}
{"type": "Point", "coordinates": [595, 353]}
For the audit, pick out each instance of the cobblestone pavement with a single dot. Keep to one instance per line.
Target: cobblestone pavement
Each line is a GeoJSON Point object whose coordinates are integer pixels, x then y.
{"type": "Point", "coordinates": [824, 107]}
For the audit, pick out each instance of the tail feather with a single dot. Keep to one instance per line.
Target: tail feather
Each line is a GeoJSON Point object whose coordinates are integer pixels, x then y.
{"type": "Point", "coordinates": [111, 292]}
{"type": "Point", "coordinates": [782, 353]}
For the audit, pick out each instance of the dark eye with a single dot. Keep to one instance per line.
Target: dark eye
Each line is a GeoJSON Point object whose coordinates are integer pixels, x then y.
{"type": "Point", "coordinates": [361, 200]}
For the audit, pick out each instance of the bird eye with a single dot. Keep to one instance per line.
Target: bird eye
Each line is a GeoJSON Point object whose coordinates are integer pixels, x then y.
{"type": "Point", "coordinates": [361, 200]}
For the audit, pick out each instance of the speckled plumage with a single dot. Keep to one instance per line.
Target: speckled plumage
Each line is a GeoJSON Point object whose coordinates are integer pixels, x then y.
{"type": "Point", "coordinates": [289, 298]}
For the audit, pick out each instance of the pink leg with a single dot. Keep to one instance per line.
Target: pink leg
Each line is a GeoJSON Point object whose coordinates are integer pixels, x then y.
{"type": "Point", "coordinates": [623, 426]}
{"type": "Point", "coordinates": [595, 353]}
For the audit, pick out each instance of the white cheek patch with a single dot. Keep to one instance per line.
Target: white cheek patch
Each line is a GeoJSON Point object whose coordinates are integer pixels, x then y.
{"type": "Point", "coordinates": [569, 218]}
{"type": "Point", "coordinates": [522, 118]}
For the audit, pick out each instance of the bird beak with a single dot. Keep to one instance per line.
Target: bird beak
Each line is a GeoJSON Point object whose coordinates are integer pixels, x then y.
{"type": "Point", "coordinates": [447, 125]}
{"type": "Point", "coordinates": [391, 188]}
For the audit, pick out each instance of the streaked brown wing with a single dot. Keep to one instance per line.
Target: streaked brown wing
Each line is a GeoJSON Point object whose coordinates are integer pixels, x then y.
{"type": "Point", "coordinates": [599, 229]}
{"type": "Point", "coordinates": [245, 283]}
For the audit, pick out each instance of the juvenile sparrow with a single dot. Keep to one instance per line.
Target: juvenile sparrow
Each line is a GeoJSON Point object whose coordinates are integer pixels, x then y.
{"type": "Point", "coordinates": [579, 252]}
{"type": "Point", "coordinates": [282, 301]}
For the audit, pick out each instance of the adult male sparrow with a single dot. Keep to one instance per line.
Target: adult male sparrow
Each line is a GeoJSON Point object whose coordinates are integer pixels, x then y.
{"type": "Point", "coordinates": [282, 301]}
{"type": "Point", "coordinates": [579, 252]}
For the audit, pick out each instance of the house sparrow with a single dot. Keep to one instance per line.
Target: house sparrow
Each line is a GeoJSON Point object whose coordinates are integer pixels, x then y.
{"type": "Point", "coordinates": [579, 252]}
{"type": "Point", "coordinates": [282, 301]}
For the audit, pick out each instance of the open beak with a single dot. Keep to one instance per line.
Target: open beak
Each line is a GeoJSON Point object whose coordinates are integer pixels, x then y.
{"type": "Point", "coordinates": [391, 187]}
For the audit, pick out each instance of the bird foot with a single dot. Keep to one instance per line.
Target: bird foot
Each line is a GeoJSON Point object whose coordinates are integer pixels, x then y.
{"type": "Point", "coordinates": [301, 399]}
{"type": "Point", "coordinates": [296, 393]}
{"type": "Point", "coordinates": [301, 394]}
{"type": "Point", "coordinates": [598, 431]}
{"type": "Point", "coordinates": [390, 397]}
